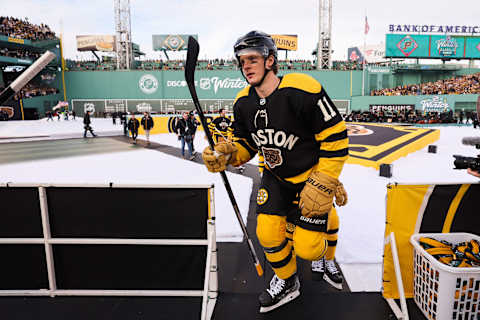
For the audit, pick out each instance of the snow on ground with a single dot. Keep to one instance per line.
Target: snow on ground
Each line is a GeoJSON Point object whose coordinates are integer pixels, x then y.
{"type": "Point", "coordinates": [362, 220]}
{"type": "Point", "coordinates": [140, 166]}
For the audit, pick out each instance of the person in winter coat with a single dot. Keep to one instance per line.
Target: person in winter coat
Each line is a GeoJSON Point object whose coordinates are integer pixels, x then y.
{"type": "Point", "coordinates": [86, 124]}
{"type": "Point", "coordinates": [147, 124]}
{"type": "Point", "coordinates": [133, 125]}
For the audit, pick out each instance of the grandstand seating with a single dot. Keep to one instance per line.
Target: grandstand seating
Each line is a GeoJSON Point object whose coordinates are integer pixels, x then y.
{"type": "Point", "coordinates": [468, 84]}
{"type": "Point", "coordinates": [33, 41]}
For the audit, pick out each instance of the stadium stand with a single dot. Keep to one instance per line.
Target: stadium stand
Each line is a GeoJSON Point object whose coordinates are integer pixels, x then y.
{"type": "Point", "coordinates": [211, 64]}
{"type": "Point", "coordinates": [411, 116]}
{"type": "Point", "coordinates": [468, 84]}
{"type": "Point", "coordinates": [21, 43]}
{"type": "Point", "coordinates": [23, 29]}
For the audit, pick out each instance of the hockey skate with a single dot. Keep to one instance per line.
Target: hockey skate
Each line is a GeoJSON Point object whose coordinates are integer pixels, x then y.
{"type": "Point", "coordinates": [318, 269]}
{"type": "Point", "coordinates": [280, 292]}
{"type": "Point", "coordinates": [332, 274]}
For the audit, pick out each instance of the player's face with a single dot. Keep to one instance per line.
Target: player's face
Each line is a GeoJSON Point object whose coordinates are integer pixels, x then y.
{"type": "Point", "coordinates": [253, 67]}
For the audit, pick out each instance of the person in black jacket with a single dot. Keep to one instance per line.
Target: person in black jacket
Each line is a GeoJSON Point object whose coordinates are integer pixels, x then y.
{"type": "Point", "coordinates": [147, 124]}
{"type": "Point", "coordinates": [133, 125]}
{"type": "Point", "coordinates": [194, 123]}
{"type": "Point", "coordinates": [123, 122]}
{"type": "Point", "coordinates": [185, 130]}
{"type": "Point", "coordinates": [86, 123]}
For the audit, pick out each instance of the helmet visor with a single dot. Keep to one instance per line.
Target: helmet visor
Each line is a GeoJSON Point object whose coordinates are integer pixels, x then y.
{"type": "Point", "coordinates": [263, 51]}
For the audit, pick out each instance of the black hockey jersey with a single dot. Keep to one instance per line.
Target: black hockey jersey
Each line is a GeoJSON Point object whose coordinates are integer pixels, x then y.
{"type": "Point", "coordinates": [297, 129]}
{"type": "Point", "coordinates": [221, 125]}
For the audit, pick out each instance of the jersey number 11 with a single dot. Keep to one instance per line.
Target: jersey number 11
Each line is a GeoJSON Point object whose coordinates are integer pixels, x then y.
{"type": "Point", "coordinates": [324, 105]}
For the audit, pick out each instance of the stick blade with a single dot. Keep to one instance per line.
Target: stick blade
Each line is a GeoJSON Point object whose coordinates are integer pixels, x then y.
{"type": "Point", "coordinates": [192, 56]}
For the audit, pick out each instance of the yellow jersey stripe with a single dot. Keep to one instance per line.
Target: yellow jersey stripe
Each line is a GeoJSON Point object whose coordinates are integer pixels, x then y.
{"type": "Point", "coordinates": [339, 127]}
{"type": "Point", "coordinates": [334, 145]}
{"type": "Point", "coordinates": [300, 81]}
{"type": "Point", "coordinates": [242, 93]}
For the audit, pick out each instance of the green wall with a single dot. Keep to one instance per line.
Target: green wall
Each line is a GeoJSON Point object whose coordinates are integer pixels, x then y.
{"type": "Point", "coordinates": [171, 84]}
{"type": "Point", "coordinates": [341, 85]}
{"type": "Point", "coordinates": [43, 103]}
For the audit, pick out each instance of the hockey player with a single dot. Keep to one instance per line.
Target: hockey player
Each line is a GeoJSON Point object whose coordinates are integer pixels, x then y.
{"type": "Point", "coordinates": [220, 127]}
{"type": "Point", "coordinates": [293, 123]}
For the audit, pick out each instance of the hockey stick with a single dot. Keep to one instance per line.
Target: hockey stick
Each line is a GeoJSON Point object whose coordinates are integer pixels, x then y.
{"type": "Point", "coordinates": [192, 57]}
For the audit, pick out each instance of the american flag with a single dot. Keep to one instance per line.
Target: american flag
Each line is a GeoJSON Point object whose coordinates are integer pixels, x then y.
{"type": "Point", "coordinates": [367, 27]}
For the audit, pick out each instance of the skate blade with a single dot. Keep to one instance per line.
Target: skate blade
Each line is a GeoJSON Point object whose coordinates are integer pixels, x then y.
{"type": "Point", "coordinates": [287, 298]}
{"type": "Point", "coordinates": [338, 286]}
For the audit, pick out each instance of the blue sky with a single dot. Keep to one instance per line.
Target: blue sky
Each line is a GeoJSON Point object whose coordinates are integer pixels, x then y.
{"type": "Point", "coordinates": [219, 23]}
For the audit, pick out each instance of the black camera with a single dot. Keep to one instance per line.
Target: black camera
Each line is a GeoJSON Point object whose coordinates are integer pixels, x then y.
{"type": "Point", "coordinates": [462, 162]}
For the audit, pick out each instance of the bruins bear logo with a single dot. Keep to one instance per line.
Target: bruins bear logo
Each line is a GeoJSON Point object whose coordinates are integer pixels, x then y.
{"type": "Point", "coordinates": [272, 156]}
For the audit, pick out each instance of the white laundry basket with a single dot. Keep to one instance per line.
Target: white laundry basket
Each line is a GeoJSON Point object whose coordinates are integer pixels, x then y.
{"type": "Point", "coordinates": [443, 292]}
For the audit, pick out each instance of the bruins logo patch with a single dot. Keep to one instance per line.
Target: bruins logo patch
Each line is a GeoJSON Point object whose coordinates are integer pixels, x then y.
{"type": "Point", "coordinates": [262, 196]}
{"type": "Point", "coordinates": [272, 156]}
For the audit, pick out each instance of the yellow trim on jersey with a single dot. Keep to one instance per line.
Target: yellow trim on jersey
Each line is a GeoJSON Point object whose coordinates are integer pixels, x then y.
{"type": "Point", "coordinates": [334, 145]}
{"type": "Point", "coordinates": [242, 93]}
{"type": "Point", "coordinates": [261, 162]}
{"type": "Point", "coordinates": [331, 166]}
{"type": "Point", "coordinates": [301, 177]}
{"type": "Point", "coordinates": [339, 127]}
{"type": "Point", "coordinates": [300, 81]}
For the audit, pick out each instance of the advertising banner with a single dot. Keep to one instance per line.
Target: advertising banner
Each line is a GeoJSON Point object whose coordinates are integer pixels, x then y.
{"type": "Point", "coordinates": [391, 107]}
{"type": "Point", "coordinates": [436, 103]}
{"type": "Point", "coordinates": [354, 54]}
{"type": "Point", "coordinates": [96, 43]}
{"type": "Point", "coordinates": [432, 46]}
{"type": "Point", "coordinates": [286, 41]}
{"type": "Point", "coordinates": [373, 53]}
{"type": "Point", "coordinates": [171, 42]}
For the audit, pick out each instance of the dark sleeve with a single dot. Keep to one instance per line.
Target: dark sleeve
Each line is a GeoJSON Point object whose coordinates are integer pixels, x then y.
{"type": "Point", "coordinates": [319, 111]}
{"type": "Point", "coordinates": [329, 130]}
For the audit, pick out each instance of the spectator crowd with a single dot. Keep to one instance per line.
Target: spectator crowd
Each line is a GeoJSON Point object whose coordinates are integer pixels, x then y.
{"type": "Point", "coordinates": [468, 84]}
{"type": "Point", "coordinates": [23, 29]}
{"type": "Point", "coordinates": [19, 53]}
{"type": "Point", "coordinates": [211, 64]}
{"type": "Point", "coordinates": [412, 116]}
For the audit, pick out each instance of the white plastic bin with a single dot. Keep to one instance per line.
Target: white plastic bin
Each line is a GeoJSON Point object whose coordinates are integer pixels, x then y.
{"type": "Point", "coordinates": [443, 292]}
